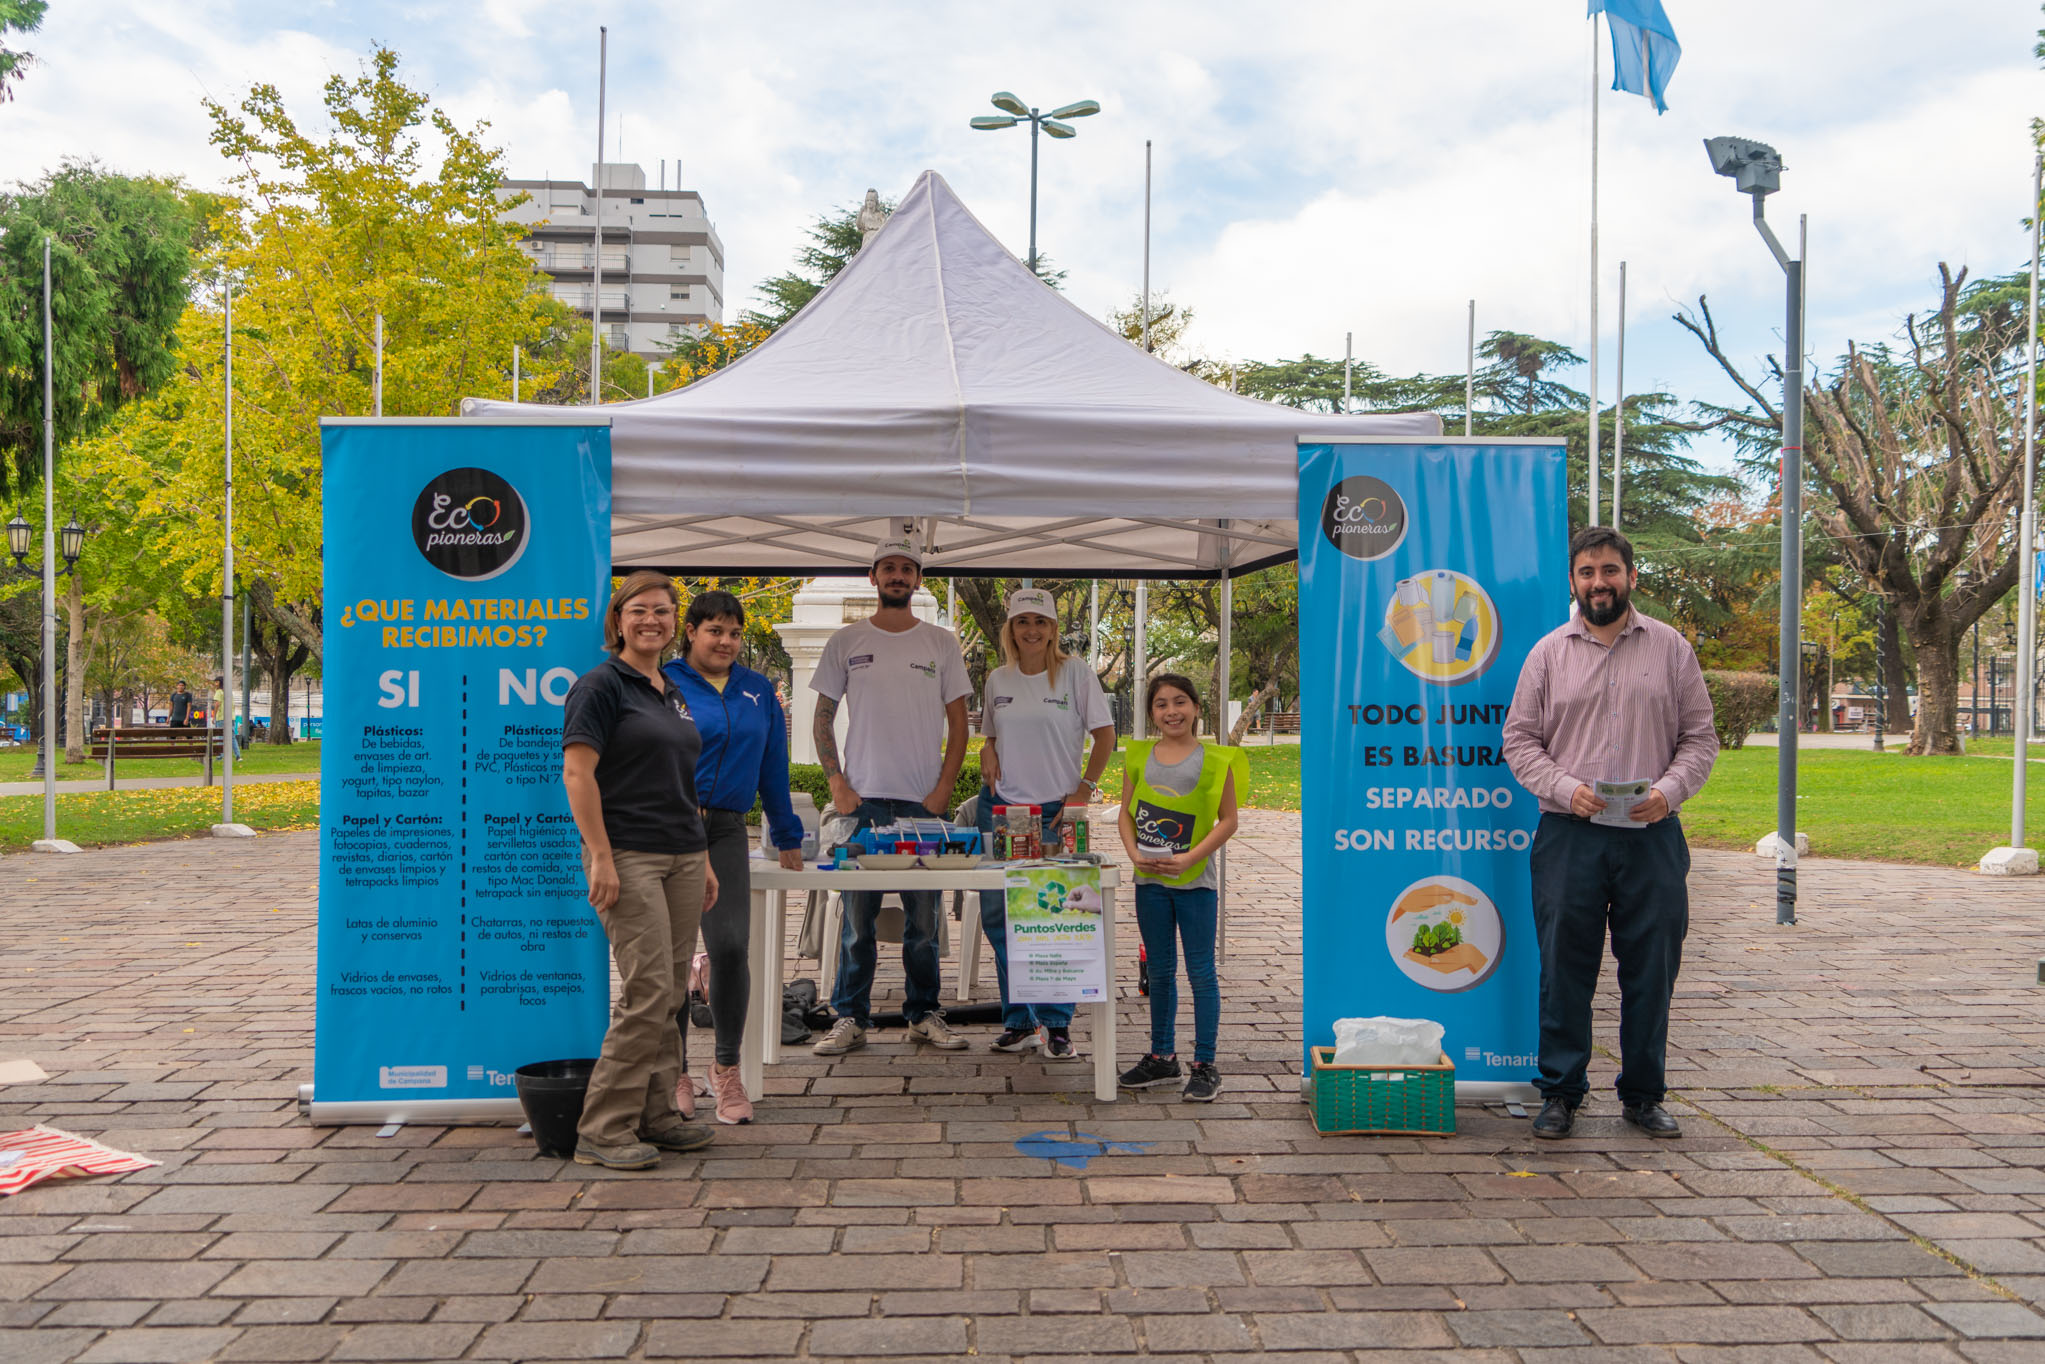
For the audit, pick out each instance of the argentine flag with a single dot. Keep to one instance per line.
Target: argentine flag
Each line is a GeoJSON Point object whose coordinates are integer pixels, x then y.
{"type": "Point", "coordinates": [1644, 47]}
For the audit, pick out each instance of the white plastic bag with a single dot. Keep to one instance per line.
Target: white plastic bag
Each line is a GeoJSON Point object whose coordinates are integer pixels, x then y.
{"type": "Point", "coordinates": [1387, 1042]}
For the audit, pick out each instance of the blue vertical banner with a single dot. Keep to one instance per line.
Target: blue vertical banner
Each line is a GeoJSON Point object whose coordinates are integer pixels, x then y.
{"type": "Point", "coordinates": [467, 571]}
{"type": "Point", "coordinates": [1427, 573]}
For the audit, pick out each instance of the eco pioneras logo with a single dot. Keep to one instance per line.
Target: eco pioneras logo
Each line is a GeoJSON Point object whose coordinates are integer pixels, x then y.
{"type": "Point", "coordinates": [1364, 517]}
{"type": "Point", "coordinates": [470, 524]}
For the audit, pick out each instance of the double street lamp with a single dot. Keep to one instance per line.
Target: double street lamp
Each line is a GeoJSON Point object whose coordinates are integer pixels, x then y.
{"type": "Point", "coordinates": [1756, 169]}
{"type": "Point", "coordinates": [20, 538]}
{"type": "Point", "coordinates": [1014, 111]}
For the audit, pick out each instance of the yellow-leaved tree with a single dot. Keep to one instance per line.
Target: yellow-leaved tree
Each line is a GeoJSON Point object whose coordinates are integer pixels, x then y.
{"type": "Point", "coordinates": [326, 232]}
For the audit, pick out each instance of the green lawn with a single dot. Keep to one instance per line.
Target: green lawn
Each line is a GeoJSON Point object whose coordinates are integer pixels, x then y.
{"type": "Point", "coordinates": [1882, 806]}
{"type": "Point", "coordinates": [91, 819]}
{"type": "Point", "coordinates": [304, 756]}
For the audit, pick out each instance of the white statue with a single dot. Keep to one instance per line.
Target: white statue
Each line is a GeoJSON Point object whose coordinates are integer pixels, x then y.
{"type": "Point", "coordinates": [872, 218]}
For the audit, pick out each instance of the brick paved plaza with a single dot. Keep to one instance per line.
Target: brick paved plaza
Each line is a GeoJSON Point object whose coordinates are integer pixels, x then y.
{"type": "Point", "coordinates": [1860, 1180]}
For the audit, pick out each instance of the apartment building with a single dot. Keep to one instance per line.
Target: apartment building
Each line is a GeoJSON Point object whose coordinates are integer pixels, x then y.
{"type": "Point", "coordinates": [663, 263]}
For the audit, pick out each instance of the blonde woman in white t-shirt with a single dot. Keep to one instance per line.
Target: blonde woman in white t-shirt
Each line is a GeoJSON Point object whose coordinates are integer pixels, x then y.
{"type": "Point", "coordinates": [1037, 712]}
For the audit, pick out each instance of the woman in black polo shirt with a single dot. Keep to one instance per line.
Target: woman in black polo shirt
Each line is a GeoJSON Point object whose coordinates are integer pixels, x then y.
{"type": "Point", "coordinates": [628, 760]}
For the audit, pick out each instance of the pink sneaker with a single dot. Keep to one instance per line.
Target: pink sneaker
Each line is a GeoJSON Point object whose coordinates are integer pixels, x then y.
{"type": "Point", "coordinates": [733, 1107]}
{"type": "Point", "coordinates": [685, 1096]}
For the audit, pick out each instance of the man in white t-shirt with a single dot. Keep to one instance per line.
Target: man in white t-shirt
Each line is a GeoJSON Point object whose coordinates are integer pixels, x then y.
{"type": "Point", "coordinates": [905, 684]}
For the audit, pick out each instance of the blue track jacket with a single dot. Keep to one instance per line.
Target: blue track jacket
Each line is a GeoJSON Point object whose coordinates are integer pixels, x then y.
{"type": "Point", "coordinates": [745, 746]}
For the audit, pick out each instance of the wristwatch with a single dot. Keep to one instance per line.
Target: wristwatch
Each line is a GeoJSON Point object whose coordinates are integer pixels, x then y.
{"type": "Point", "coordinates": [1093, 787]}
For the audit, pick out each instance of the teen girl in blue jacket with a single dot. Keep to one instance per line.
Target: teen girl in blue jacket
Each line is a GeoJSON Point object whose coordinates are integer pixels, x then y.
{"type": "Point", "coordinates": [745, 757]}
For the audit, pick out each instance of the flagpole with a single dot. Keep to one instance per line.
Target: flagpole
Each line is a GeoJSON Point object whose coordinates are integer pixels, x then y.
{"type": "Point", "coordinates": [1593, 404]}
{"type": "Point", "coordinates": [1470, 370]}
{"type": "Point", "coordinates": [2027, 527]}
{"type": "Point", "coordinates": [596, 260]}
{"type": "Point", "coordinates": [1146, 246]}
{"type": "Point", "coordinates": [1619, 404]}
{"type": "Point", "coordinates": [1348, 360]}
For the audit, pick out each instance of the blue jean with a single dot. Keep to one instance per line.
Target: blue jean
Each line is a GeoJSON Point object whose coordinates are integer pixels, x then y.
{"type": "Point", "coordinates": [1168, 916]}
{"type": "Point", "coordinates": [994, 920]}
{"type": "Point", "coordinates": [859, 951]}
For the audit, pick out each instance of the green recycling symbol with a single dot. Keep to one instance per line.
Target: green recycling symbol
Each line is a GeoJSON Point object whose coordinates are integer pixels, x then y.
{"type": "Point", "coordinates": [1052, 897]}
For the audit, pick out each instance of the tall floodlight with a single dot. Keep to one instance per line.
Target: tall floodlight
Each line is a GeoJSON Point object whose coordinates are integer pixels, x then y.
{"type": "Point", "coordinates": [1014, 111]}
{"type": "Point", "coordinates": [2016, 858]}
{"type": "Point", "coordinates": [1756, 168]}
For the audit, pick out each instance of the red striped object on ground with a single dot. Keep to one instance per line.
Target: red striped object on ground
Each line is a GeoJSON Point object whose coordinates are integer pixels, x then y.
{"type": "Point", "coordinates": [40, 1153]}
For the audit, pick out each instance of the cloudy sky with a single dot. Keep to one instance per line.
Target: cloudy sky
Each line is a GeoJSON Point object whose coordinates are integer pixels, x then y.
{"type": "Point", "coordinates": [1348, 165]}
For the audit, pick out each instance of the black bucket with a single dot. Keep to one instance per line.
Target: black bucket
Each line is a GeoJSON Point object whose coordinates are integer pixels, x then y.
{"type": "Point", "coordinates": [551, 1093]}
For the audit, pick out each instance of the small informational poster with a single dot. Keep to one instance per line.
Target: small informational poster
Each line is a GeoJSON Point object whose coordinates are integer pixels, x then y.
{"type": "Point", "coordinates": [1055, 951]}
{"type": "Point", "coordinates": [1620, 797]}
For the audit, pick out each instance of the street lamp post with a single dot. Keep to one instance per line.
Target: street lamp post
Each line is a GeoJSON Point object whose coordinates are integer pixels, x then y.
{"type": "Point", "coordinates": [1014, 111]}
{"type": "Point", "coordinates": [20, 541]}
{"type": "Point", "coordinates": [1756, 168]}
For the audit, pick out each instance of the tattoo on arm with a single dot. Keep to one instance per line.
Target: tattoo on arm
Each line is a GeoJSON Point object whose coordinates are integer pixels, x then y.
{"type": "Point", "coordinates": [825, 732]}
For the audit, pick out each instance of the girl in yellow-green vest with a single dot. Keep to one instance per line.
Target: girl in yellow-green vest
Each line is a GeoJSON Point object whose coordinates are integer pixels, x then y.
{"type": "Point", "coordinates": [1178, 807]}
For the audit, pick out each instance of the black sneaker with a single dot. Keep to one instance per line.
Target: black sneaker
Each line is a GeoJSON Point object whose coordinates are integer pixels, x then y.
{"type": "Point", "coordinates": [1150, 1072]}
{"type": "Point", "coordinates": [1203, 1084]}
{"type": "Point", "coordinates": [1015, 1039]}
{"type": "Point", "coordinates": [1058, 1044]}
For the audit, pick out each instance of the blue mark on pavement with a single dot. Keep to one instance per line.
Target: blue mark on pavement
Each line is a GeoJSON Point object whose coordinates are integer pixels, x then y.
{"type": "Point", "coordinates": [1075, 1151]}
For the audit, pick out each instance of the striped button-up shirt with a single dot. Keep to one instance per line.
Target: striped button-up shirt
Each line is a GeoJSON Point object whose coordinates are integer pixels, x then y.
{"type": "Point", "coordinates": [1584, 713]}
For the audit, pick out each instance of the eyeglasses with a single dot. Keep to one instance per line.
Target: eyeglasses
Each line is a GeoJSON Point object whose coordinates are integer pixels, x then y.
{"type": "Point", "coordinates": [649, 613]}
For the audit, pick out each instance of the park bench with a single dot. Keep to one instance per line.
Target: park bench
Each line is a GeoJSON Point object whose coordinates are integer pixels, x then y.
{"type": "Point", "coordinates": [156, 741]}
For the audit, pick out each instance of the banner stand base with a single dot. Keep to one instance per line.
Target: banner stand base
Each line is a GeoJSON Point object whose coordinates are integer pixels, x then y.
{"type": "Point", "coordinates": [383, 1112]}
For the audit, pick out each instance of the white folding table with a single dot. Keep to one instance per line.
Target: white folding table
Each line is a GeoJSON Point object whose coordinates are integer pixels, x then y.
{"type": "Point", "coordinates": [771, 884]}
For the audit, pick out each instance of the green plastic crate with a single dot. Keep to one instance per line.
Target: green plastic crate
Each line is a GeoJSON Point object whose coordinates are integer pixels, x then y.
{"type": "Point", "coordinates": [1385, 1100]}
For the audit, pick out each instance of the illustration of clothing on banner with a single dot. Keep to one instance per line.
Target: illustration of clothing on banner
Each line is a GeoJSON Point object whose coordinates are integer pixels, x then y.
{"type": "Point", "coordinates": [1055, 953]}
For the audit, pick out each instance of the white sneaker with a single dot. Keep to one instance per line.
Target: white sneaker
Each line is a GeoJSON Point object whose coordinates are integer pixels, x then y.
{"type": "Point", "coordinates": [845, 1035]}
{"type": "Point", "coordinates": [933, 1029]}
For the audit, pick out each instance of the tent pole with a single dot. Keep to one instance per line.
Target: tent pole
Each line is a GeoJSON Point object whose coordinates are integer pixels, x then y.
{"type": "Point", "coordinates": [1093, 628]}
{"type": "Point", "coordinates": [514, 374]}
{"type": "Point", "coordinates": [1348, 362]}
{"type": "Point", "coordinates": [1139, 663]}
{"type": "Point", "coordinates": [1221, 733]}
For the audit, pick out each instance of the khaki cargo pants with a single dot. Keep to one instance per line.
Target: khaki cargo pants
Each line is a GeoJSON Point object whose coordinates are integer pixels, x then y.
{"type": "Point", "coordinates": [652, 929]}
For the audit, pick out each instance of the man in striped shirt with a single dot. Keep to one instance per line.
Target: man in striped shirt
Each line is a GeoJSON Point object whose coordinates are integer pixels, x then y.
{"type": "Point", "coordinates": [1616, 699]}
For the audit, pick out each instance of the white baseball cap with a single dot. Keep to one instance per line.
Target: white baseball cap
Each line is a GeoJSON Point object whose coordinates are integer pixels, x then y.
{"type": "Point", "coordinates": [909, 547]}
{"type": "Point", "coordinates": [1032, 601]}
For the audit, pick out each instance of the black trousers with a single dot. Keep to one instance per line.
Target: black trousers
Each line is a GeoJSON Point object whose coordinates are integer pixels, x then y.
{"type": "Point", "coordinates": [726, 931]}
{"type": "Point", "coordinates": [1588, 876]}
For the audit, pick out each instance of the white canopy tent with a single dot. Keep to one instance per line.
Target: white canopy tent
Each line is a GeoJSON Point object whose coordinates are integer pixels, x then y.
{"type": "Point", "coordinates": [936, 379]}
